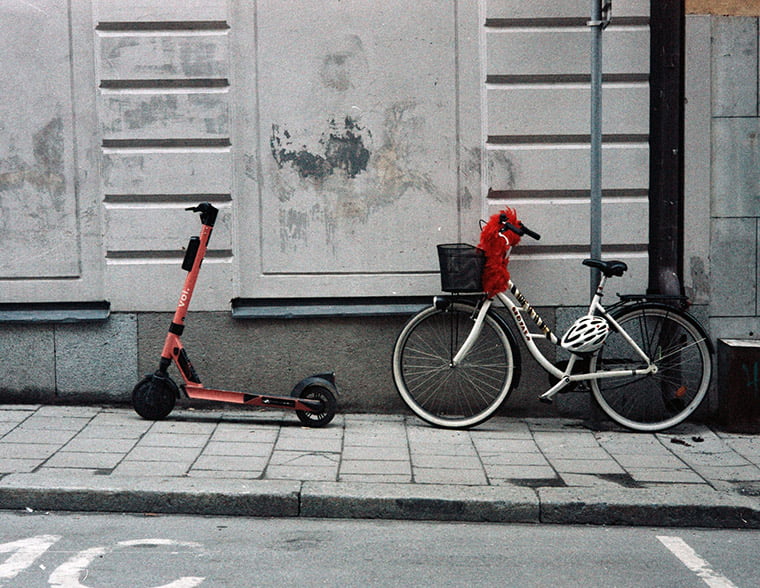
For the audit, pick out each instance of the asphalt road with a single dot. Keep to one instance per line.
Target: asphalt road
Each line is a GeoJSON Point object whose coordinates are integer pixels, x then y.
{"type": "Point", "coordinates": [114, 550]}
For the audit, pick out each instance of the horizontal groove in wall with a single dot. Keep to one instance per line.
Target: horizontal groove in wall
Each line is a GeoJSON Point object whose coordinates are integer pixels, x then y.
{"type": "Point", "coordinates": [137, 256]}
{"type": "Point", "coordinates": [389, 274]}
{"type": "Point", "coordinates": [284, 308]}
{"type": "Point", "coordinates": [579, 21]}
{"type": "Point", "coordinates": [52, 278]}
{"type": "Point", "coordinates": [54, 312]}
{"type": "Point", "coordinates": [185, 25]}
{"type": "Point", "coordinates": [630, 78]}
{"type": "Point", "coordinates": [158, 84]}
{"type": "Point", "coordinates": [178, 199]}
{"type": "Point", "coordinates": [565, 194]}
{"type": "Point", "coordinates": [164, 143]}
{"type": "Point", "coordinates": [580, 251]}
{"type": "Point", "coordinates": [559, 139]}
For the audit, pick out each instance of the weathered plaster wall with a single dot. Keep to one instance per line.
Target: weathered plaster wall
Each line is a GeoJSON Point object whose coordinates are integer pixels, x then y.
{"type": "Point", "coordinates": [49, 214]}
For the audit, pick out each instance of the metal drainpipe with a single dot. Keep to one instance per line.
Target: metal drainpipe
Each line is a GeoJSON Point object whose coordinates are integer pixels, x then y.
{"type": "Point", "coordinates": [597, 25]}
{"type": "Point", "coordinates": [666, 132]}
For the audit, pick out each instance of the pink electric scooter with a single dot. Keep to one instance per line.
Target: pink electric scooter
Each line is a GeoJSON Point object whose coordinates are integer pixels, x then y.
{"type": "Point", "coordinates": [313, 399]}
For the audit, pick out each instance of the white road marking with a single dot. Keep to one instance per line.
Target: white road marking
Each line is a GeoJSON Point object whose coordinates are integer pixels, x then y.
{"type": "Point", "coordinates": [68, 574]}
{"type": "Point", "coordinates": [694, 562]}
{"type": "Point", "coordinates": [25, 551]}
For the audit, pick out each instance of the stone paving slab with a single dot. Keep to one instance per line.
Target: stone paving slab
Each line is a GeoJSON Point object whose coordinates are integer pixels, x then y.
{"type": "Point", "coordinates": [264, 463]}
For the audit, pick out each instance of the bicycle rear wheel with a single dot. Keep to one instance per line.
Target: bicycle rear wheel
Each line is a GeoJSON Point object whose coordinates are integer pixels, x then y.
{"type": "Point", "coordinates": [677, 345]}
{"type": "Point", "coordinates": [446, 396]}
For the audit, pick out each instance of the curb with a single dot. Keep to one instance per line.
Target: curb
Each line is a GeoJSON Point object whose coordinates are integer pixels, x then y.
{"type": "Point", "coordinates": [500, 504]}
{"type": "Point", "coordinates": [672, 506]}
{"type": "Point", "coordinates": [273, 498]}
{"type": "Point", "coordinates": [675, 506]}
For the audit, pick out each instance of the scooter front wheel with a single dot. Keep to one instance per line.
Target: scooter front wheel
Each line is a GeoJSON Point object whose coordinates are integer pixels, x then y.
{"type": "Point", "coordinates": [323, 416]}
{"type": "Point", "coordinates": [153, 398]}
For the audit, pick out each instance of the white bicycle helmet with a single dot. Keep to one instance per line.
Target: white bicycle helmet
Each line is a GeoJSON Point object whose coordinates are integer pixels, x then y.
{"type": "Point", "coordinates": [587, 334]}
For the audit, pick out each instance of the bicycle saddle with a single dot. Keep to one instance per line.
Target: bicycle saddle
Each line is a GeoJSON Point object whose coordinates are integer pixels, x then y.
{"type": "Point", "coordinates": [608, 268]}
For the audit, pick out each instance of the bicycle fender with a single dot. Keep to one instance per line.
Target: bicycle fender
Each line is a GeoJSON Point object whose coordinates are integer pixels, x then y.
{"type": "Point", "coordinates": [326, 380]}
{"type": "Point", "coordinates": [512, 343]}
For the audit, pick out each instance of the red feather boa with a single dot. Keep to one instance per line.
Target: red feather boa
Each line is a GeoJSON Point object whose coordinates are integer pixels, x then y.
{"type": "Point", "coordinates": [496, 246]}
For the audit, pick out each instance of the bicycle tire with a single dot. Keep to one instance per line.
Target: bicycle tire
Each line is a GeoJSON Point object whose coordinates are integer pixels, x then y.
{"type": "Point", "coordinates": [677, 345]}
{"type": "Point", "coordinates": [442, 395]}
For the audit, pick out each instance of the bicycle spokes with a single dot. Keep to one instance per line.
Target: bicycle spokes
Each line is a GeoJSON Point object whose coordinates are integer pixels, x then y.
{"type": "Point", "coordinates": [678, 381]}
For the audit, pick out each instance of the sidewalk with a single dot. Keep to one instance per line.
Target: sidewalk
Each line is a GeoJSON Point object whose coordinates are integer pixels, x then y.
{"type": "Point", "coordinates": [239, 462]}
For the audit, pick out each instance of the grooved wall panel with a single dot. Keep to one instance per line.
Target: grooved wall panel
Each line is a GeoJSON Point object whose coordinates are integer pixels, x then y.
{"type": "Point", "coordinates": [164, 111]}
{"type": "Point", "coordinates": [558, 109]}
{"type": "Point", "coordinates": [160, 11]}
{"type": "Point", "coordinates": [168, 55]}
{"type": "Point", "coordinates": [573, 9]}
{"type": "Point", "coordinates": [537, 61]}
{"type": "Point", "coordinates": [123, 240]}
{"type": "Point", "coordinates": [559, 50]}
{"type": "Point", "coordinates": [564, 169]}
{"type": "Point", "coordinates": [164, 115]}
{"type": "Point", "coordinates": [39, 233]}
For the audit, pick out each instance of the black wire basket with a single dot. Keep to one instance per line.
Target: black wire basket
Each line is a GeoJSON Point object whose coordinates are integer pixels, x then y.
{"type": "Point", "coordinates": [461, 267]}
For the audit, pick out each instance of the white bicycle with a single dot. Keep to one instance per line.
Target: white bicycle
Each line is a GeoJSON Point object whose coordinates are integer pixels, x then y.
{"type": "Point", "coordinates": [647, 361]}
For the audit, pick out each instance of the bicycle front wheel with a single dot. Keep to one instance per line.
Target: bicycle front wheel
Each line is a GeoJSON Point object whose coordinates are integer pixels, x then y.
{"type": "Point", "coordinates": [447, 396]}
{"type": "Point", "coordinates": [676, 345]}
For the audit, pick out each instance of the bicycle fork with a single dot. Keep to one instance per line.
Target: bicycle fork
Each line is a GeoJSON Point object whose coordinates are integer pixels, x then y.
{"type": "Point", "coordinates": [473, 336]}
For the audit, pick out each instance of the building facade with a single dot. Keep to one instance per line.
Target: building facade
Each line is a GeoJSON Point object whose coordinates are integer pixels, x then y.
{"type": "Point", "coordinates": [341, 141]}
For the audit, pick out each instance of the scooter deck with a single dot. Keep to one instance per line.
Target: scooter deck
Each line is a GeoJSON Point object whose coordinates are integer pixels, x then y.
{"type": "Point", "coordinates": [285, 402]}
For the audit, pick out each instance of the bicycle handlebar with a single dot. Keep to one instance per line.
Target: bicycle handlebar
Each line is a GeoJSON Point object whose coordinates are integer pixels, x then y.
{"type": "Point", "coordinates": [519, 230]}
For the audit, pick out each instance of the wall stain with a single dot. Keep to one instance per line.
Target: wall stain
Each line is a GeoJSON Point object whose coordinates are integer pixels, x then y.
{"type": "Point", "coordinates": [501, 171]}
{"type": "Point", "coordinates": [46, 175]}
{"type": "Point", "coordinates": [700, 280]}
{"type": "Point", "coordinates": [344, 151]}
{"type": "Point", "coordinates": [33, 199]}
{"type": "Point", "coordinates": [293, 225]}
{"type": "Point", "coordinates": [48, 146]}
{"type": "Point", "coordinates": [394, 171]}
{"type": "Point", "coordinates": [114, 51]}
{"type": "Point", "coordinates": [345, 62]}
{"type": "Point", "coordinates": [147, 113]}
{"type": "Point", "coordinates": [346, 180]}
{"type": "Point", "coordinates": [198, 60]}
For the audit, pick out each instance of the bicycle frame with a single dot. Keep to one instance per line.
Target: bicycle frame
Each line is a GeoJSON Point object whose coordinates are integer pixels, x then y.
{"type": "Point", "coordinates": [517, 306]}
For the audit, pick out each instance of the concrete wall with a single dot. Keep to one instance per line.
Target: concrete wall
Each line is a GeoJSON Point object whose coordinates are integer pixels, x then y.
{"type": "Point", "coordinates": [735, 179]}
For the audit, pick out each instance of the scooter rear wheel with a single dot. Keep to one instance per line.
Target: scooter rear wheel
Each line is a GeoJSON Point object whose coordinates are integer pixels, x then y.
{"type": "Point", "coordinates": [329, 406]}
{"type": "Point", "coordinates": [153, 398]}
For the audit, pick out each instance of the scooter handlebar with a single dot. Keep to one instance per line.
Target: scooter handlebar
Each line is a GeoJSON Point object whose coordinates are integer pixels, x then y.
{"type": "Point", "coordinates": [208, 213]}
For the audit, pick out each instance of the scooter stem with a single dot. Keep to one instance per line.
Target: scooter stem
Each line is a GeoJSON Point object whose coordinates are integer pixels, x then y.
{"type": "Point", "coordinates": [194, 255]}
